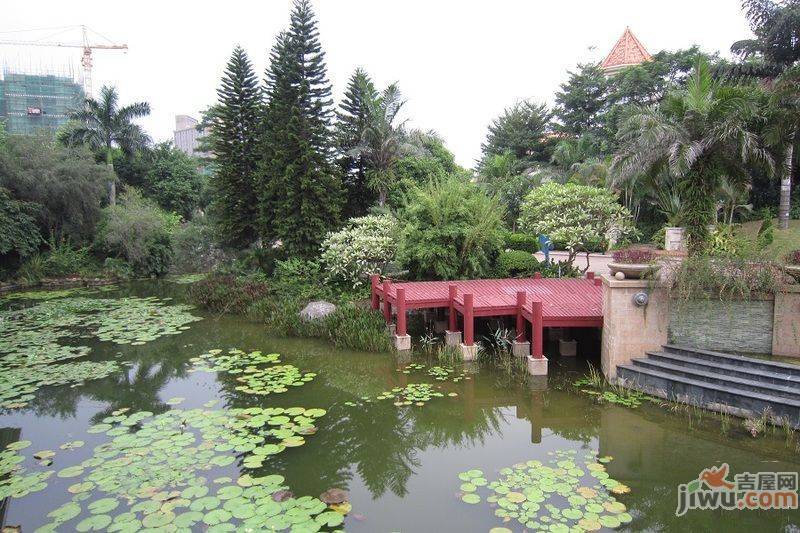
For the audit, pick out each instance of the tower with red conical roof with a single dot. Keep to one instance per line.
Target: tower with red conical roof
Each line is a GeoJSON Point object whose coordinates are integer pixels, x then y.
{"type": "Point", "coordinates": [628, 51]}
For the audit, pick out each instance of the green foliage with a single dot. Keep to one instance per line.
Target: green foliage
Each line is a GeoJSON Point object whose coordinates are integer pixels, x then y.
{"type": "Point", "coordinates": [521, 131]}
{"type": "Point", "coordinates": [450, 229]}
{"type": "Point", "coordinates": [522, 241]}
{"type": "Point", "coordinates": [766, 233]}
{"type": "Point", "coordinates": [235, 123]}
{"type": "Point", "coordinates": [722, 241]}
{"type": "Point", "coordinates": [351, 122]}
{"type": "Point", "coordinates": [725, 278]}
{"type": "Point", "coordinates": [499, 179]}
{"type": "Point", "coordinates": [194, 246]}
{"type": "Point", "coordinates": [582, 102]}
{"type": "Point", "coordinates": [173, 180]}
{"type": "Point", "coordinates": [357, 328]}
{"type": "Point", "coordinates": [62, 187]}
{"type": "Point", "coordinates": [516, 264]}
{"type": "Point", "coordinates": [138, 231]}
{"type": "Point", "coordinates": [363, 247]}
{"type": "Point", "coordinates": [695, 136]}
{"type": "Point", "coordinates": [19, 235]}
{"type": "Point", "coordinates": [227, 293]}
{"type": "Point", "coordinates": [576, 217]}
{"type": "Point", "coordinates": [300, 191]}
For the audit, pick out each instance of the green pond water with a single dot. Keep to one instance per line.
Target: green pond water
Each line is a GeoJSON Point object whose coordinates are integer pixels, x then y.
{"type": "Point", "coordinates": [405, 467]}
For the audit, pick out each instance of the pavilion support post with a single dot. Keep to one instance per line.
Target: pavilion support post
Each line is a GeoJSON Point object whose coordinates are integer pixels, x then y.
{"type": "Point", "coordinates": [537, 275]}
{"type": "Point", "coordinates": [590, 275]}
{"type": "Point", "coordinates": [374, 281]}
{"type": "Point", "coordinates": [452, 335]}
{"type": "Point", "coordinates": [469, 350]}
{"type": "Point", "coordinates": [402, 340]}
{"type": "Point", "coordinates": [521, 347]}
{"type": "Point", "coordinates": [598, 282]}
{"type": "Point", "coordinates": [387, 306]}
{"type": "Point", "coordinates": [537, 362]}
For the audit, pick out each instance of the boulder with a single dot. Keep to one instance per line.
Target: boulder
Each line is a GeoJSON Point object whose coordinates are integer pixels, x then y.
{"type": "Point", "coordinates": [316, 310]}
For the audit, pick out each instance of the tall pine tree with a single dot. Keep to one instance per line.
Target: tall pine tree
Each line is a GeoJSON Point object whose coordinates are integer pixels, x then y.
{"type": "Point", "coordinates": [300, 188]}
{"type": "Point", "coordinates": [235, 128]}
{"type": "Point", "coordinates": [352, 119]}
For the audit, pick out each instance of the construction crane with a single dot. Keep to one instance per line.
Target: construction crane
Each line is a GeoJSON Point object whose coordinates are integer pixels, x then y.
{"type": "Point", "coordinates": [86, 44]}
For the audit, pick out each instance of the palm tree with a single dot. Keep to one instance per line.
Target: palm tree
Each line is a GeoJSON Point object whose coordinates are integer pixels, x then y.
{"type": "Point", "coordinates": [103, 126]}
{"type": "Point", "coordinates": [771, 58]}
{"type": "Point", "coordinates": [382, 140]}
{"type": "Point", "coordinates": [698, 134]}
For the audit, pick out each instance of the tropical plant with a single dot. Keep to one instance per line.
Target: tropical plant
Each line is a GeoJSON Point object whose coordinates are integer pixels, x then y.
{"type": "Point", "coordinates": [449, 229]}
{"type": "Point", "coordinates": [364, 246]}
{"type": "Point", "coordinates": [104, 126]}
{"type": "Point", "coordinates": [697, 134]}
{"type": "Point", "coordinates": [381, 140]}
{"type": "Point", "coordinates": [577, 218]}
{"type": "Point", "coordinates": [772, 56]}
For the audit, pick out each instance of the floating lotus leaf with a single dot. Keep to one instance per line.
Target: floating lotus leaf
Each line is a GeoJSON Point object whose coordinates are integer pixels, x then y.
{"type": "Point", "coordinates": [94, 523]}
{"type": "Point", "coordinates": [535, 493]}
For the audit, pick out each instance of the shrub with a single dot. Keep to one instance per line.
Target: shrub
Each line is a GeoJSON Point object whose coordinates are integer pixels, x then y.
{"type": "Point", "coordinates": [633, 256]}
{"type": "Point", "coordinates": [725, 278]}
{"type": "Point", "coordinates": [364, 246]}
{"type": "Point", "coordinates": [64, 260]}
{"type": "Point", "coordinates": [793, 258]}
{"type": "Point", "coordinates": [137, 230]}
{"type": "Point", "coordinates": [19, 235]}
{"type": "Point", "coordinates": [516, 264]}
{"type": "Point", "coordinates": [195, 248]}
{"type": "Point", "coordinates": [723, 241]}
{"type": "Point", "coordinates": [576, 217]}
{"type": "Point", "coordinates": [357, 328]}
{"type": "Point", "coordinates": [226, 293]}
{"type": "Point", "coordinates": [522, 241]}
{"type": "Point", "coordinates": [118, 268]}
{"type": "Point", "coordinates": [449, 229]}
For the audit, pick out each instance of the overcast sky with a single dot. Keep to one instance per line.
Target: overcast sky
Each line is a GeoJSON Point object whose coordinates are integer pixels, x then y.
{"type": "Point", "coordinates": [458, 62]}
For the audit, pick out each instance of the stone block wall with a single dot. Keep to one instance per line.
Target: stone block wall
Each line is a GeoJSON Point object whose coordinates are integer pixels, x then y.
{"type": "Point", "coordinates": [786, 332]}
{"type": "Point", "coordinates": [730, 326]}
{"type": "Point", "coordinates": [629, 331]}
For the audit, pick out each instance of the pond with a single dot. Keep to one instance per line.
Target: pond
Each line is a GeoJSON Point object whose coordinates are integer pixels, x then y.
{"type": "Point", "coordinates": [178, 433]}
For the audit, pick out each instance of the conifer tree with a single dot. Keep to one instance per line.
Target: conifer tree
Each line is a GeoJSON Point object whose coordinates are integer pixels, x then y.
{"type": "Point", "coordinates": [234, 138]}
{"type": "Point", "coordinates": [352, 119]}
{"type": "Point", "coordinates": [300, 189]}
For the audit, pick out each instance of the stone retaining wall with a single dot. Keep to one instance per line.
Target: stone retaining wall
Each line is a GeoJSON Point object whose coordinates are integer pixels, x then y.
{"type": "Point", "coordinates": [730, 326]}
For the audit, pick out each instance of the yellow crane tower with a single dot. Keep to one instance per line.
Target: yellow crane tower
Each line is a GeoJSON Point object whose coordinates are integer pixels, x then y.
{"type": "Point", "coordinates": [86, 44]}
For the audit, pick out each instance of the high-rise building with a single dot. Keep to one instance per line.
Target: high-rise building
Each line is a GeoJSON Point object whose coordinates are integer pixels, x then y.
{"type": "Point", "coordinates": [627, 52]}
{"type": "Point", "coordinates": [34, 102]}
{"type": "Point", "coordinates": [186, 136]}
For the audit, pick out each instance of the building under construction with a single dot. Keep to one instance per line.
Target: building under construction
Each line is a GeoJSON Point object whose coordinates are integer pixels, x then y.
{"type": "Point", "coordinates": [34, 102]}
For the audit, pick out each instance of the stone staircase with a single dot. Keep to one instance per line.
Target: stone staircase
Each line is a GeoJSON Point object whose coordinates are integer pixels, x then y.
{"type": "Point", "coordinates": [743, 386]}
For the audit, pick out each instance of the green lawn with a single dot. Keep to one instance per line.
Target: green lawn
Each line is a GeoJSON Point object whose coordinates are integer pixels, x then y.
{"type": "Point", "coordinates": [785, 240]}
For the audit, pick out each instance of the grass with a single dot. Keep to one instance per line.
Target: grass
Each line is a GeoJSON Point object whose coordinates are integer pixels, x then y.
{"type": "Point", "coordinates": [785, 240]}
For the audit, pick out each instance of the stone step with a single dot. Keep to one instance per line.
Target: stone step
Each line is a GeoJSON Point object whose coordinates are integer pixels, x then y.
{"type": "Point", "coordinates": [791, 391]}
{"type": "Point", "coordinates": [713, 396]}
{"type": "Point", "coordinates": [722, 367]}
{"type": "Point", "coordinates": [787, 369]}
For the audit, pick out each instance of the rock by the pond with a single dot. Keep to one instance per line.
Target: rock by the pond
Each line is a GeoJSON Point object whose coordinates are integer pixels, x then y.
{"type": "Point", "coordinates": [315, 310]}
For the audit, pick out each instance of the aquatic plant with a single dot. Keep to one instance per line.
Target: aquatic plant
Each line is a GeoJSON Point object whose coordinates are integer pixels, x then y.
{"type": "Point", "coordinates": [16, 481]}
{"type": "Point", "coordinates": [187, 279]}
{"type": "Point", "coordinates": [149, 474]}
{"type": "Point", "coordinates": [562, 494]}
{"type": "Point", "coordinates": [260, 381]}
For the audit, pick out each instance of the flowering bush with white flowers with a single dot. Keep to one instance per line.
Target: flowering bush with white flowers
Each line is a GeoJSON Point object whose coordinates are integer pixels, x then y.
{"type": "Point", "coordinates": [577, 218]}
{"type": "Point", "coordinates": [364, 246]}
